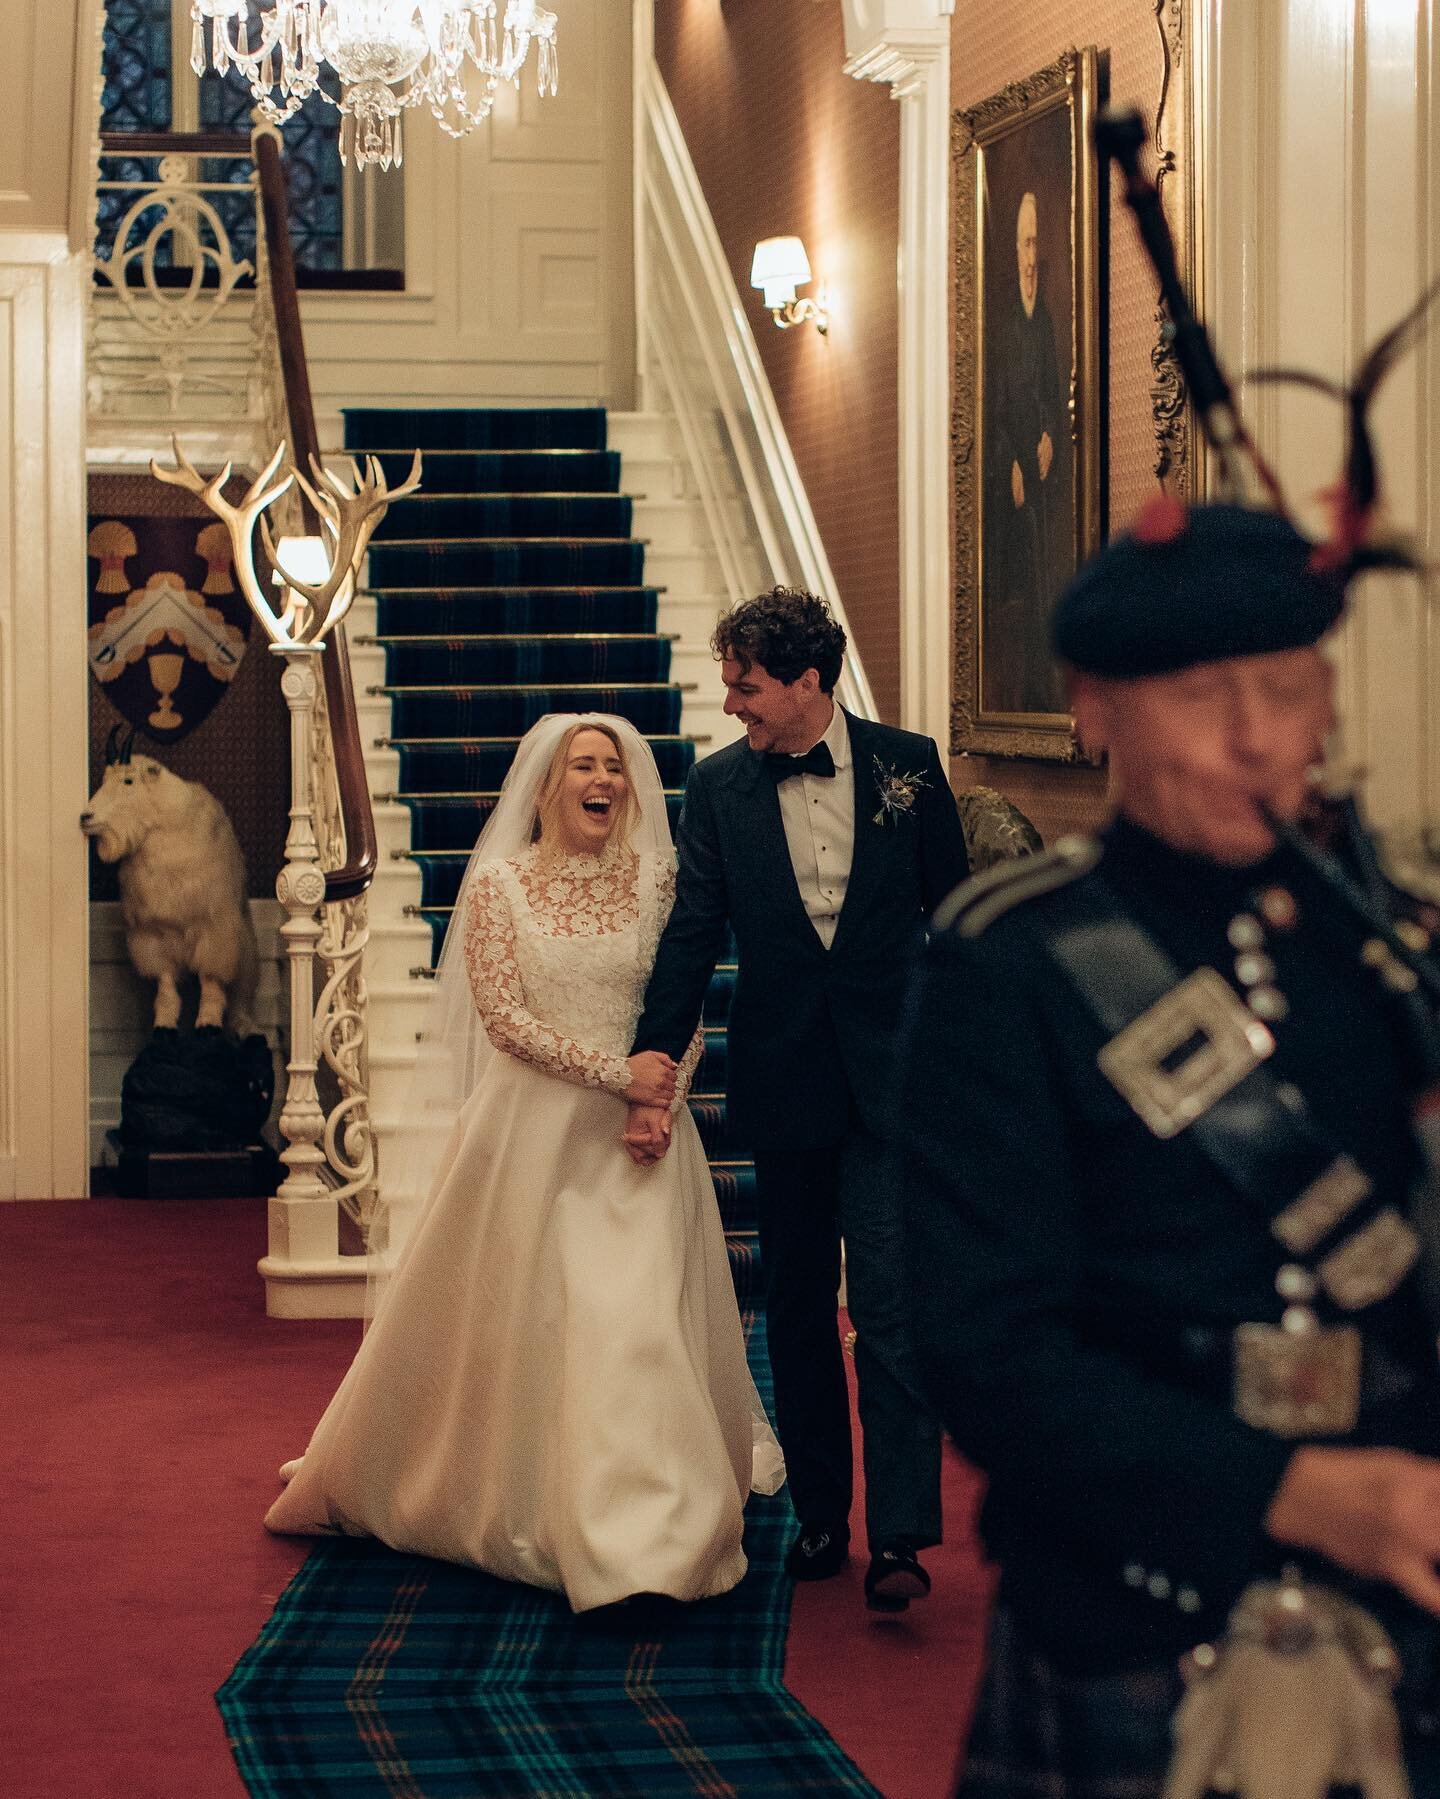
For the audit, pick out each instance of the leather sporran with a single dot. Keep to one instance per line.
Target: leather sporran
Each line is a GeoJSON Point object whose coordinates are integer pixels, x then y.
{"type": "Point", "coordinates": [1295, 1700]}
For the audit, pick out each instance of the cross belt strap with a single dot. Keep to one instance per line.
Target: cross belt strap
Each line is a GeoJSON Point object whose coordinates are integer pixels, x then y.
{"type": "Point", "coordinates": [1187, 1055]}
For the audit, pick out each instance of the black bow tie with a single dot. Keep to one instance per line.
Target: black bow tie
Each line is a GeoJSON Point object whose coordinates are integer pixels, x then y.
{"type": "Point", "coordinates": [815, 761]}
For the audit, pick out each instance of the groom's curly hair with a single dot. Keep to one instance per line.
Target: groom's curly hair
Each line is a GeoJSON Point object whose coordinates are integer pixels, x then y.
{"type": "Point", "coordinates": [785, 632]}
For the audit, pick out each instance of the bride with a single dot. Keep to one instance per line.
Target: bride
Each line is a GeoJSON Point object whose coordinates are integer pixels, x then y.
{"type": "Point", "coordinates": [553, 1386]}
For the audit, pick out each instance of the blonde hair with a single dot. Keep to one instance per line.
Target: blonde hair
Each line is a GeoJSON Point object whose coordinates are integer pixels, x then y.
{"type": "Point", "coordinates": [547, 804]}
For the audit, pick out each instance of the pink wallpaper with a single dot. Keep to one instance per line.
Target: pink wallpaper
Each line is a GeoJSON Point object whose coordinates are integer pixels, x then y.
{"type": "Point", "coordinates": [785, 143]}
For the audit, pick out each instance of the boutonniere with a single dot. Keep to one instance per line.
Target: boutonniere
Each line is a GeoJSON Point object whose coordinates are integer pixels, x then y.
{"type": "Point", "coordinates": [897, 791]}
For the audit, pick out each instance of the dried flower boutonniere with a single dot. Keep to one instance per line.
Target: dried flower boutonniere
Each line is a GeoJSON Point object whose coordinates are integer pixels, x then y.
{"type": "Point", "coordinates": [897, 791]}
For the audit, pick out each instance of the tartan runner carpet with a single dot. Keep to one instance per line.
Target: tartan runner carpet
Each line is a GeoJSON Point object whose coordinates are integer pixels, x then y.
{"type": "Point", "coordinates": [385, 1676]}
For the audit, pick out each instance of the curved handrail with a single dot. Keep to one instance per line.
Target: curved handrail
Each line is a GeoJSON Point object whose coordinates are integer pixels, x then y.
{"type": "Point", "coordinates": [361, 853]}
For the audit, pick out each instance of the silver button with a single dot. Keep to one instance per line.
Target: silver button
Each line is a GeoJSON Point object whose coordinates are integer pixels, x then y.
{"type": "Point", "coordinates": [1188, 1599]}
{"type": "Point", "coordinates": [1158, 1587]}
{"type": "Point", "coordinates": [1134, 1575]}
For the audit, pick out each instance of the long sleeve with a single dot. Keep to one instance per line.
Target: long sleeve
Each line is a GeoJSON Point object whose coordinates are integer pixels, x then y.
{"type": "Point", "coordinates": [494, 971]}
{"type": "Point", "coordinates": [694, 935]}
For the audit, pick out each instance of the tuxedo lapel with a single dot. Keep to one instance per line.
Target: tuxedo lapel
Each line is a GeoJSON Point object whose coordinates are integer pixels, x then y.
{"type": "Point", "coordinates": [867, 860]}
{"type": "Point", "coordinates": [765, 846]}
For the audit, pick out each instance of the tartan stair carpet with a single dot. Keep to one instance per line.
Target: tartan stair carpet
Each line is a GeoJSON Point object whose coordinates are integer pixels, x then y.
{"type": "Point", "coordinates": [508, 587]}
{"type": "Point", "coordinates": [386, 1676]}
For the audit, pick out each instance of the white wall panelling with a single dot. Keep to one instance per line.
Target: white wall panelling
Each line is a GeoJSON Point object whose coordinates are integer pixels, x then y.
{"type": "Point", "coordinates": [1321, 207]}
{"type": "Point", "coordinates": [518, 250]}
{"type": "Point", "coordinates": [43, 738]}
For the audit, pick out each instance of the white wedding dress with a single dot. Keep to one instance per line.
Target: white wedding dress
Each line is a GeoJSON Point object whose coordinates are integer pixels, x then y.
{"type": "Point", "coordinates": [554, 1387]}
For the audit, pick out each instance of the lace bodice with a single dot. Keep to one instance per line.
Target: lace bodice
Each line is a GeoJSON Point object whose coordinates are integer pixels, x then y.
{"type": "Point", "coordinates": [558, 951]}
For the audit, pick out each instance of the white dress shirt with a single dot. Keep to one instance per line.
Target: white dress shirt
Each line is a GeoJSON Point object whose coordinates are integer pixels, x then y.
{"type": "Point", "coordinates": [818, 813]}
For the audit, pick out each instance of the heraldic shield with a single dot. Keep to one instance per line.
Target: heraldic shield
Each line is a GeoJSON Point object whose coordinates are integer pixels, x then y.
{"type": "Point", "coordinates": [168, 627]}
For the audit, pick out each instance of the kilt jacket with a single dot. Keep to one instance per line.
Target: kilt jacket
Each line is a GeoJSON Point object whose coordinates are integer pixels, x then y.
{"type": "Point", "coordinates": [1077, 1279]}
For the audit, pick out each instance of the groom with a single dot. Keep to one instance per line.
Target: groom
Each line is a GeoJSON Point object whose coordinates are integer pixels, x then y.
{"type": "Point", "coordinates": [823, 841]}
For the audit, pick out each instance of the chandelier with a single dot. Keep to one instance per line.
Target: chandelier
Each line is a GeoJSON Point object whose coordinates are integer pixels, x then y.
{"type": "Point", "coordinates": [388, 54]}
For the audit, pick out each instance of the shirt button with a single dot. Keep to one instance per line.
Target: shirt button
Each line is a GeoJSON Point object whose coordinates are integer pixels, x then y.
{"type": "Point", "coordinates": [1134, 1575]}
{"type": "Point", "coordinates": [1158, 1587]}
{"type": "Point", "coordinates": [1188, 1599]}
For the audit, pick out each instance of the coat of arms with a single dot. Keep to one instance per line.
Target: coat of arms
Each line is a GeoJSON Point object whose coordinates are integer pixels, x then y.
{"type": "Point", "coordinates": [164, 650]}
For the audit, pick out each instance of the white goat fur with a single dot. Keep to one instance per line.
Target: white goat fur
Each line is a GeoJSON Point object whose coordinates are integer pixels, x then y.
{"type": "Point", "coordinates": [182, 889]}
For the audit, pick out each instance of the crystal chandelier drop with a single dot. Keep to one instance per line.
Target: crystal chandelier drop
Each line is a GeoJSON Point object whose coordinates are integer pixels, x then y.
{"type": "Point", "coordinates": [388, 54]}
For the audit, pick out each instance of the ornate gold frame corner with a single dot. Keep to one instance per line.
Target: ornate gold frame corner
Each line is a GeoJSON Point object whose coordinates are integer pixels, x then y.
{"type": "Point", "coordinates": [1179, 465]}
{"type": "Point", "coordinates": [1073, 78]}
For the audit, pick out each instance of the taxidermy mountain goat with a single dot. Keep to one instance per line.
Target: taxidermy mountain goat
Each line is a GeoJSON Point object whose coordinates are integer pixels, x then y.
{"type": "Point", "coordinates": [182, 886]}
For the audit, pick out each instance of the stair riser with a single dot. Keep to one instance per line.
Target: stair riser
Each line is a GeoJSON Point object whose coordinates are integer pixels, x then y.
{"type": "Point", "coordinates": [453, 614]}
{"type": "Point", "coordinates": [500, 428]}
{"type": "Point", "coordinates": [477, 713]}
{"type": "Point", "coordinates": [452, 662]}
{"type": "Point", "coordinates": [509, 564]}
{"type": "Point", "coordinates": [505, 515]}
{"type": "Point", "coordinates": [596, 471]}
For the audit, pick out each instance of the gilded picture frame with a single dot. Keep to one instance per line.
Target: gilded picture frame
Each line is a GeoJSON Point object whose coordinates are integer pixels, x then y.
{"type": "Point", "coordinates": [1028, 424]}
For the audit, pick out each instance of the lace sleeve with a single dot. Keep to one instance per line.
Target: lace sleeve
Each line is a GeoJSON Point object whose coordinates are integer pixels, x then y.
{"type": "Point", "coordinates": [685, 1069]}
{"type": "Point", "coordinates": [500, 998]}
{"type": "Point", "coordinates": [690, 1061]}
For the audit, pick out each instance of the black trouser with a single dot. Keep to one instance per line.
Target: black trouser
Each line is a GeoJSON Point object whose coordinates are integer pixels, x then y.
{"type": "Point", "coordinates": [808, 1200]}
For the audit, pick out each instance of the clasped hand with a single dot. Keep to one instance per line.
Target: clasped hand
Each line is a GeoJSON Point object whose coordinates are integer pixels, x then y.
{"type": "Point", "coordinates": [651, 1094]}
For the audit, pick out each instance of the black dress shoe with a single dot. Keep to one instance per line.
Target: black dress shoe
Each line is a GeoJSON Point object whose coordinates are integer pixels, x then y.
{"type": "Point", "coordinates": [818, 1552]}
{"type": "Point", "coordinates": [894, 1578]}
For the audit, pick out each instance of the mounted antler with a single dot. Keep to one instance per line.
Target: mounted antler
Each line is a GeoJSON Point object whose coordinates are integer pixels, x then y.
{"type": "Point", "coordinates": [350, 511]}
{"type": "Point", "coordinates": [239, 521]}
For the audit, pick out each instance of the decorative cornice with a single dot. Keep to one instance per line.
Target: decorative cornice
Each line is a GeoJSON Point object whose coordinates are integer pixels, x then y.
{"type": "Point", "coordinates": [902, 59]}
{"type": "Point", "coordinates": [895, 41]}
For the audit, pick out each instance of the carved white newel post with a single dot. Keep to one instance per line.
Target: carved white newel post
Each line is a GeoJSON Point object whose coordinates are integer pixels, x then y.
{"type": "Point", "coordinates": [304, 1220]}
{"type": "Point", "coordinates": [313, 585]}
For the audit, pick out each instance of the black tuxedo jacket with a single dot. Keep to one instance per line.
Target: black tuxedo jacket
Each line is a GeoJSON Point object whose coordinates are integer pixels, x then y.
{"type": "Point", "coordinates": [811, 1029]}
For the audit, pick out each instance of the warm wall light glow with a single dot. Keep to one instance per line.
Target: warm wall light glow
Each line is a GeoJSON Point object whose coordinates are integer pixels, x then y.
{"type": "Point", "coordinates": [779, 266]}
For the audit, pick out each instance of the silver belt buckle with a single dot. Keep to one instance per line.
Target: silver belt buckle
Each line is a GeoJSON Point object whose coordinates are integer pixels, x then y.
{"type": "Point", "coordinates": [1221, 1040]}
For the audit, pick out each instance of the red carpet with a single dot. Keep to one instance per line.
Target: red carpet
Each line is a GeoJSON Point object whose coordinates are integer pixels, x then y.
{"type": "Point", "coordinates": [896, 1692]}
{"type": "Point", "coordinates": [150, 1401]}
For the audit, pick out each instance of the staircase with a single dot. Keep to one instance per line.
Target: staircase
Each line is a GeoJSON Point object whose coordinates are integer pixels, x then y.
{"type": "Point", "coordinates": [513, 585]}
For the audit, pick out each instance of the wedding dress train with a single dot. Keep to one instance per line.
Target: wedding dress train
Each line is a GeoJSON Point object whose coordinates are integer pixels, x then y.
{"type": "Point", "coordinates": [555, 1386]}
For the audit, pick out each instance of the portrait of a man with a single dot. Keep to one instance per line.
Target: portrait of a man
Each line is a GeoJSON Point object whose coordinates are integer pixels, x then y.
{"type": "Point", "coordinates": [1029, 548]}
{"type": "Point", "coordinates": [1028, 398]}
{"type": "Point", "coordinates": [1032, 513]}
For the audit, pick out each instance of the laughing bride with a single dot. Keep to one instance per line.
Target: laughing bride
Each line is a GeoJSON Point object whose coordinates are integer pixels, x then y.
{"type": "Point", "coordinates": [553, 1385]}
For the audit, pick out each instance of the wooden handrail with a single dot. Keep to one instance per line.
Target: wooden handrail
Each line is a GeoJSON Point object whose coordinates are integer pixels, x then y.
{"type": "Point", "coordinates": [175, 143]}
{"type": "Point", "coordinates": [359, 820]}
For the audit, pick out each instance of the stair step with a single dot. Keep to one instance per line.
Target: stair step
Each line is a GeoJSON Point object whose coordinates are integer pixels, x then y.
{"type": "Point", "coordinates": [476, 428]}
{"type": "Point", "coordinates": [483, 712]}
{"type": "Point", "coordinates": [503, 471]}
{"type": "Point", "coordinates": [533, 610]}
{"type": "Point", "coordinates": [508, 562]}
{"type": "Point", "coordinates": [424, 660]}
{"type": "Point", "coordinates": [469, 518]}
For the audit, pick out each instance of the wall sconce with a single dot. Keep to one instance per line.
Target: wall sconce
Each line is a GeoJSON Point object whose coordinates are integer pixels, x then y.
{"type": "Point", "coordinates": [780, 266]}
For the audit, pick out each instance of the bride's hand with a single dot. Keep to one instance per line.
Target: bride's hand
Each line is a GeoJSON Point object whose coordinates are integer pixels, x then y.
{"type": "Point", "coordinates": [647, 1134]}
{"type": "Point", "coordinates": [652, 1079]}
